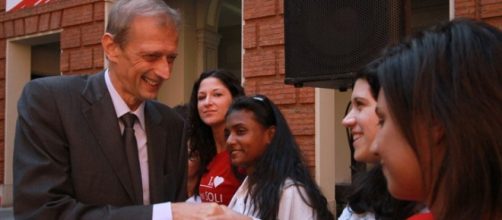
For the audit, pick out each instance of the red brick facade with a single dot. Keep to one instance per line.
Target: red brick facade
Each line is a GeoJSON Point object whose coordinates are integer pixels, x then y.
{"type": "Point", "coordinates": [264, 61]}
{"type": "Point", "coordinates": [264, 70]}
{"type": "Point", "coordinates": [81, 23]}
{"type": "Point", "coordinates": [489, 11]}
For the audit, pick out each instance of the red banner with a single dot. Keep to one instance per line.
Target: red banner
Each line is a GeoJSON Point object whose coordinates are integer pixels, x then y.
{"type": "Point", "coordinates": [13, 5]}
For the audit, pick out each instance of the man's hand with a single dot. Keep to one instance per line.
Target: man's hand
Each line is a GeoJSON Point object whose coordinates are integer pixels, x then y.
{"type": "Point", "coordinates": [225, 213]}
{"type": "Point", "coordinates": [194, 211]}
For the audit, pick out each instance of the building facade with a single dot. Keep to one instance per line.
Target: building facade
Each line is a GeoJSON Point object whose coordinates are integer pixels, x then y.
{"type": "Point", "coordinates": [62, 37]}
{"type": "Point", "coordinates": [65, 36]}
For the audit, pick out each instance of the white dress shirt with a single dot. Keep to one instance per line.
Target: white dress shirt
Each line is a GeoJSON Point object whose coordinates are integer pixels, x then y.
{"type": "Point", "coordinates": [160, 211]}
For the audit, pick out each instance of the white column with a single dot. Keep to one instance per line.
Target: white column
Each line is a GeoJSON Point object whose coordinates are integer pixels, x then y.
{"type": "Point", "coordinates": [18, 73]}
{"type": "Point", "coordinates": [325, 143]}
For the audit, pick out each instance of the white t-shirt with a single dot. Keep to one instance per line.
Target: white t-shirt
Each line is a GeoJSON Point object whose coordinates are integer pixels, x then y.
{"type": "Point", "coordinates": [194, 199]}
{"type": "Point", "coordinates": [348, 214]}
{"type": "Point", "coordinates": [291, 205]}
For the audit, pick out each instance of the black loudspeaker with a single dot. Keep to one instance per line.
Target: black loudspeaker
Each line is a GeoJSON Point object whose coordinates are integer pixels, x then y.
{"type": "Point", "coordinates": [326, 41]}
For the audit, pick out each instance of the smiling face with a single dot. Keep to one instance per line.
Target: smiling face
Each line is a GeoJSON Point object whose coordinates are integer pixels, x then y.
{"type": "Point", "coordinates": [138, 68]}
{"type": "Point", "coordinates": [247, 139]}
{"type": "Point", "coordinates": [213, 100]}
{"type": "Point", "coordinates": [399, 162]}
{"type": "Point", "coordinates": [362, 121]}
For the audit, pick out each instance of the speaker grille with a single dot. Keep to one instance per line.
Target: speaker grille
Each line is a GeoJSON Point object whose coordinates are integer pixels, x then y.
{"type": "Point", "coordinates": [329, 40]}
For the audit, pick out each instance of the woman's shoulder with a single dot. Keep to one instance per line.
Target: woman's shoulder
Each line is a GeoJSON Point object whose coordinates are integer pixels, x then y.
{"type": "Point", "coordinates": [422, 216]}
{"type": "Point", "coordinates": [220, 161]}
{"type": "Point", "coordinates": [292, 188]}
{"type": "Point", "coordinates": [290, 182]}
{"type": "Point", "coordinates": [292, 203]}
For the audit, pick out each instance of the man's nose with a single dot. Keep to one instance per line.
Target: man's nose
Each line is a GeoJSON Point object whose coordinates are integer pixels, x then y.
{"type": "Point", "coordinates": [164, 68]}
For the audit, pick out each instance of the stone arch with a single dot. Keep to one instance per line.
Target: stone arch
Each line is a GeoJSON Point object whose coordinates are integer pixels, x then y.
{"type": "Point", "coordinates": [199, 44]}
{"type": "Point", "coordinates": [219, 35]}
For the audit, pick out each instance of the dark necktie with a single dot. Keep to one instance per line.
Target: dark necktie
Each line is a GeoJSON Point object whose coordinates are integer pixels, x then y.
{"type": "Point", "coordinates": [131, 149]}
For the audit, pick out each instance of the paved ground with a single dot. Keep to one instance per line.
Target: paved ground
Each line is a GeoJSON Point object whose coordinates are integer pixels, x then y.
{"type": "Point", "coordinates": [6, 214]}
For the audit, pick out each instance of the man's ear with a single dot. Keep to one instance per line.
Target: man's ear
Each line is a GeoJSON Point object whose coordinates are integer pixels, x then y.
{"type": "Point", "coordinates": [110, 48]}
{"type": "Point", "coordinates": [270, 134]}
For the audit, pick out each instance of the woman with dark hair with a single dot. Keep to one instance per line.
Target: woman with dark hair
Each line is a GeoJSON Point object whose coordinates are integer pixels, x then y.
{"type": "Point", "coordinates": [440, 112]}
{"type": "Point", "coordinates": [211, 96]}
{"type": "Point", "coordinates": [278, 184]}
{"type": "Point", "coordinates": [368, 197]}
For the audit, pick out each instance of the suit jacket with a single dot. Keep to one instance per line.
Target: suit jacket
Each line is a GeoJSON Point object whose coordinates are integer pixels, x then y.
{"type": "Point", "coordinates": [69, 161]}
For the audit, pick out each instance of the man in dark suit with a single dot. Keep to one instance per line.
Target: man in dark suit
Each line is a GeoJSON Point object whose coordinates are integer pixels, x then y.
{"type": "Point", "coordinates": [70, 160]}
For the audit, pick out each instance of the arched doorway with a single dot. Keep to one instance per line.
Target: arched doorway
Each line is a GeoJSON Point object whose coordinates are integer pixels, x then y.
{"type": "Point", "coordinates": [210, 37]}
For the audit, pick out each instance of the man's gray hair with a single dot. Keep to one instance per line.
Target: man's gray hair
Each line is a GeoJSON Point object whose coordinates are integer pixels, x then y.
{"type": "Point", "coordinates": [123, 12]}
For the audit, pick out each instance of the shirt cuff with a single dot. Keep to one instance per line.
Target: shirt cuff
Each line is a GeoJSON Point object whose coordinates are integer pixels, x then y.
{"type": "Point", "coordinates": [162, 211]}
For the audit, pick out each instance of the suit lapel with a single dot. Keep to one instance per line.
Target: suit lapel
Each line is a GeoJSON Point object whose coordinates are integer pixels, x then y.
{"type": "Point", "coordinates": [102, 119]}
{"type": "Point", "coordinates": [156, 142]}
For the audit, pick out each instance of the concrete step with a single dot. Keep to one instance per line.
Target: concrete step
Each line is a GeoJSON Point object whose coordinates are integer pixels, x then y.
{"type": "Point", "coordinates": [6, 213]}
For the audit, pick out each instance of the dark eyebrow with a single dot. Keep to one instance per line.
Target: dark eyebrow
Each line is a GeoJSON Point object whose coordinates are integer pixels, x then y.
{"type": "Point", "coordinates": [239, 124]}
{"type": "Point", "coordinates": [148, 53]}
{"type": "Point", "coordinates": [360, 99]}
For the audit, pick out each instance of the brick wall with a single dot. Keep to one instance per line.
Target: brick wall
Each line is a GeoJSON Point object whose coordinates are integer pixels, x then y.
{"type": "Point", "coordinates": [264, 71]}
{"type": "Point", "coordinates": [264, 61]}
{"type": "Point", "coordinates": [81, 23]}
{"type": "Point", "coordinates": [489, 11]}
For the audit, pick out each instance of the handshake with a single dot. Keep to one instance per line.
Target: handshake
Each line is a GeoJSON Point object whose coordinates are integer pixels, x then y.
{"type": "Point", "coordinates": [205, 211]}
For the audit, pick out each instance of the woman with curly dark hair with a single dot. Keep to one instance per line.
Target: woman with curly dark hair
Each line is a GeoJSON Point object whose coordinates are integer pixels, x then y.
{"type": "Point", "coordinates": [211, 96]}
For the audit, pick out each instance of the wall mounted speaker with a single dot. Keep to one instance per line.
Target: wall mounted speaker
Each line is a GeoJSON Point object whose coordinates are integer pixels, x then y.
{"type": "Point", "coordinates": [326, 41]}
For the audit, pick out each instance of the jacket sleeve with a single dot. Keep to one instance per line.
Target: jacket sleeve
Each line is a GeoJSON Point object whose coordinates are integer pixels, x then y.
{"type": "Point", "coordinates": [183, 166]}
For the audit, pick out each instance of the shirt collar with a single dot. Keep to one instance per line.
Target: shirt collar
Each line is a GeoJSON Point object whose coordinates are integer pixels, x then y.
{"type": "Point", "coordinates": [119, 104]}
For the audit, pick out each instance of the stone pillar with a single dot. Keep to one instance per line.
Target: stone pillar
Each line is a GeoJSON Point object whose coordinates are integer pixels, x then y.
{"type": "Point", "coordinates": [207, 49]}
